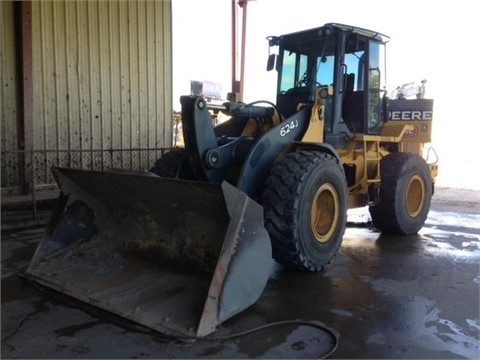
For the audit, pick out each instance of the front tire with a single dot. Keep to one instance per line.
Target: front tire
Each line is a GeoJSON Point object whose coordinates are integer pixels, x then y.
{"type": "Point", "coordinates": [405, 194]}
{"type": "Point", "coordinates": [305, 206]}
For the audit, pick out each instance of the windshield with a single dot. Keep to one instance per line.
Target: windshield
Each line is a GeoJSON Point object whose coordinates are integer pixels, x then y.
{"type": "Point", "coordinates": [307, 63]}
{"type": "Point", "coordinates": [294, 66]}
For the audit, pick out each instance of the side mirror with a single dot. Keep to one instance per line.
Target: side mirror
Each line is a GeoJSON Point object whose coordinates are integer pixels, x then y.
{"type": "Point", "coordinates": [272, 59]}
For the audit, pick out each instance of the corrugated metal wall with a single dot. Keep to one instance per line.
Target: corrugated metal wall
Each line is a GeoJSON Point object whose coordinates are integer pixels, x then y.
{"type": "Point", "coordinates": [102, 84]}
{"type": "Point", "coordinates": [102, 80]}
{"type": "Point", "coordinates": [10, 167]}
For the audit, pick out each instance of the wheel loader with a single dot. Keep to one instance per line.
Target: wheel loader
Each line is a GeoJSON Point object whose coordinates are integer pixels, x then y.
{"type": "Point", "coordinates": [191, 243]}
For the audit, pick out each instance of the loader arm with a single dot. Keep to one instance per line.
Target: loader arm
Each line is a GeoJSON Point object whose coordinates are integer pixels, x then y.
{"type": "Point", "coordinates": [271, 145]}
{"type": "Point", "coordinates": [199, 136]}
{"type": "Point", "coordinates": [210, 151]}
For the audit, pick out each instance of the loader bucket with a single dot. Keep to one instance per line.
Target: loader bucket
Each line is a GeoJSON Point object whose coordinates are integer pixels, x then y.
{"type": "Point", "coordinates": [175, 256]}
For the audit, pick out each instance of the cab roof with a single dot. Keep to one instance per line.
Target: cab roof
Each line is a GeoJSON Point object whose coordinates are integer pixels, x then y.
{"type": "Point", "coordinates": [370, 34]}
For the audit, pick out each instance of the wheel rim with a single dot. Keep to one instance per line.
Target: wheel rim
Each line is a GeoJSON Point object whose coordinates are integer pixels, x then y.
{"type": "Point", "coordinates": [325, 213]}
{"type": "Point", "coordinates": [415, 195]}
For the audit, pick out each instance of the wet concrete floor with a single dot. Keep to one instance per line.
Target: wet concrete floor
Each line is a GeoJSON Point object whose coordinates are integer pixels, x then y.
{"type": "Point", "coordinates": [413, 297]}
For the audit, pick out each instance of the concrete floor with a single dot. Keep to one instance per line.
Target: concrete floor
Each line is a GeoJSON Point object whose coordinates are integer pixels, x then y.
{"type": "Point", "coordinates": [413, 297]}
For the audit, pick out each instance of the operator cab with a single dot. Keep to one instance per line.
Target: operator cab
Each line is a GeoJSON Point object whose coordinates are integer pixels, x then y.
{"type": "Point", "coordinates": [350, 59]}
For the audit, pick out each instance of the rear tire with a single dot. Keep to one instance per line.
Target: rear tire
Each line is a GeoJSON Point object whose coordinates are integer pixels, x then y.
{"type": "Point", "coordinates": [405, 194]}
{"type": "Point", "coordinates": [305, 206]}
{"type": "Point", "coordinates": [171, 165]}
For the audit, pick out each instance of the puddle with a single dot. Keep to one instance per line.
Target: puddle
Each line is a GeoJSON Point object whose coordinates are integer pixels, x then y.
{"type": "Point", "coordinates": [457, 247]}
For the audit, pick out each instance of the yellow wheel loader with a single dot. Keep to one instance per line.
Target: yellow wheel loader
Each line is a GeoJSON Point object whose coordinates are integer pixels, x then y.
{"type": "Point", "coordinates": [191, 243]}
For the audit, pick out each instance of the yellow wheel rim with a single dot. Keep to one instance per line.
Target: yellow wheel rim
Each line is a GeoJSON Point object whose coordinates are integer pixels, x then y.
{"type": "Point", "coordinates": [325, 213]}
{"type": "Point", "coordinates": [415, 195]}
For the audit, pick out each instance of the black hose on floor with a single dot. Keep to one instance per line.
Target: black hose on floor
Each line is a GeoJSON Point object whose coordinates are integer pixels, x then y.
{"type": "Point", "coordinates": [138, 328]}
{"type": "Point", "coordinates": [177, 336]}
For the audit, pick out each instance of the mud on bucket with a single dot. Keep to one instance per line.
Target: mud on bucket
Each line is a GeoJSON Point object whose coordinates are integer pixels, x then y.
{"type": "Point", "coordinates": [171, 255]}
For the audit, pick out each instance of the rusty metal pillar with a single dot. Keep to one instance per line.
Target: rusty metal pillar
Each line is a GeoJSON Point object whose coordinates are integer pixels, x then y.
{"type": "Point", "coordinates": [238, 77]}
{"type": "Point", "coordinates": [235, 83]}
{"type": "Point", "coordinates": [243, 4]}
